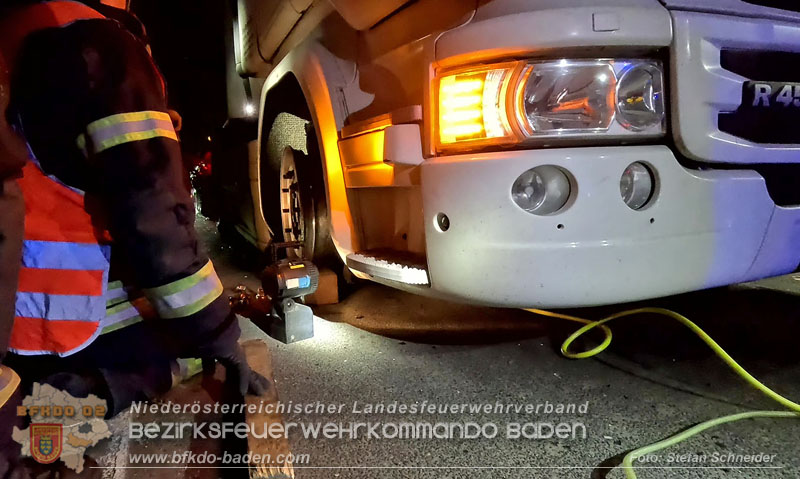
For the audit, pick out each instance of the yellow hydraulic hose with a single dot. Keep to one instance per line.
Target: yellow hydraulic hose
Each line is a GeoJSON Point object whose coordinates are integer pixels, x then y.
{"type": "Point", "coordinates": [627, 462]}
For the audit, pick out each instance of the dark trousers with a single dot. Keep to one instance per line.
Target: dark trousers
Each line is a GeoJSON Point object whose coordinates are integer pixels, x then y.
{"type": "Point", "coordinates": [130, 364]}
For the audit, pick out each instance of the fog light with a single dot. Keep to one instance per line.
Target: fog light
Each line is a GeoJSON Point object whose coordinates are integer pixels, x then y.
{"type": "Point", "coordinates": [636, 185]}
{"type": "Point", "coordinates": [542, 190]}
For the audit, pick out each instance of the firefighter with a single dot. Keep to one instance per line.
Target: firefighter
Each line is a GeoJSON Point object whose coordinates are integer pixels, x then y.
{"type": "Point", "coordinates": [114, 284]}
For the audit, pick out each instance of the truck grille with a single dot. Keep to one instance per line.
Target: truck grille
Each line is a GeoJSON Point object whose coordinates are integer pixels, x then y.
{"type": "Point", "coordinates": [762, 65]}
{"type": "Point", "coordinates": [767, 126]}
{"type": "Point", "coordinates": [713, 58]}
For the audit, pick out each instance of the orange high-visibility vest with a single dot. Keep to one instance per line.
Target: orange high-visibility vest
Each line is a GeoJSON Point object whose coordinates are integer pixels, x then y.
{"type": "Point", "coordinates": [64, 275]}
{"type": "Point", "coordinates": [65, 262]}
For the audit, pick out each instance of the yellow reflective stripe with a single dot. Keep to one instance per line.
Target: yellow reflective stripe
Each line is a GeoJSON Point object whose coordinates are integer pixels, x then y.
{"type": "Point", "coordinates": [189, 309]}
{"type": "Point", "coordinates": [112, 120]}
{"type": "Point", "coordinates": [115, 294]}
{"type": "Point", "coordinates": [124, 128]}
{"type": "Point", "coordinates": [131, 137]}
{"type": "Point", "coordinates": [112, 311]}
{"type": "Point", "coordinates": [184, 283]}
{"type": "Point", "coordinates": [110, 303]}
{"type": "Point", "coordinates": [188, 295]}
{"type": "Point", "coordinates": [82, 144]}
{"type": "Point", "coordinates": [119, 316]}
{"type": "Point", "coordinates": [122, 324]}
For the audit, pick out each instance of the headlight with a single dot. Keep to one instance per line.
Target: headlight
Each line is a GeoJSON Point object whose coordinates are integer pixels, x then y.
{"type": "Point", "coordinates": [529, 102]}
{"type": "Point", "coordinates": [566, 97]}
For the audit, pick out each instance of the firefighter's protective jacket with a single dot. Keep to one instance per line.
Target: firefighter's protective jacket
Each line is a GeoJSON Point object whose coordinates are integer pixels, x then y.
{"type": "Point", "coordinates": [12, 159]}
{"type": "Point", "coordinates": [92, 107]}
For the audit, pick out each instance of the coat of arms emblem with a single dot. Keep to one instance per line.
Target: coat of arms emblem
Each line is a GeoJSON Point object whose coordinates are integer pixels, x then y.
{"type": "Point", "coordinates": [46, 442]}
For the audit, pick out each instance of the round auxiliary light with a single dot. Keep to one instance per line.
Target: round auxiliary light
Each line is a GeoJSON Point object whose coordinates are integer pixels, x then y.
{"type": "Point", "coordinates": [636, 185]}
{"type": "Point", "coordinates": [542, 190]}
{"type": "Point", "coordinates": [640, 97]}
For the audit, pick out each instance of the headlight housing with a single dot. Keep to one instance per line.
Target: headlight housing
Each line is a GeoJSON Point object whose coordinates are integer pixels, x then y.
{"type": "Point", "coordinates": [535, 102]}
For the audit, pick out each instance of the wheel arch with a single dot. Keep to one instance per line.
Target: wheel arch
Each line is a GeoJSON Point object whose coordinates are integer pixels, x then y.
{"type": "Point", "coordinates": [308, 83]}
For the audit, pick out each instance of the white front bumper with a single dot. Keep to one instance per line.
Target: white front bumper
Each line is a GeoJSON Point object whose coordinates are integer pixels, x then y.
{"type": "Point", "coordinates": [703, 229]}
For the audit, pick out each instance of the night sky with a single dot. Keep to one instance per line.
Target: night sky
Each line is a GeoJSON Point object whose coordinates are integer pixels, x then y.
{"type": "Point", "coordinates": [187, 41]}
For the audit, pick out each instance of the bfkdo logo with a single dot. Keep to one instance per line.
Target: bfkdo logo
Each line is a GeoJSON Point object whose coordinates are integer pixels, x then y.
{"type": "Point", "coordinates": [61, 427]}
{"type": "Point", "coordinates": [46, 442]}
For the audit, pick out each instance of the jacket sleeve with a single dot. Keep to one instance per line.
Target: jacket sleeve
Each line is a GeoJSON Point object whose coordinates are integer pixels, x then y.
{"type": "Point", "coordinates": [93, 109]}
{"type": "Point", "coordinates": [12, 149]}
{"type": "Point", "coordinates": [12, 211]}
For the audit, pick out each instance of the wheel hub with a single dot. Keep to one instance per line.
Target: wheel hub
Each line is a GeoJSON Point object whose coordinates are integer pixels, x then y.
{"type": "Point", "coordinates": [291, 205]}
{"type": "Point", "coordinates": [292, 216]}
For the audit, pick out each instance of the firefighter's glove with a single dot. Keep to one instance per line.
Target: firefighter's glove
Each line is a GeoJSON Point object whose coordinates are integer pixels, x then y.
{"type": "Point", "coordinates": [222, 344]}
{"type": "Point", "coordinates": [237, 372]}
{"type": "Point", "coordinates": [203, 335]}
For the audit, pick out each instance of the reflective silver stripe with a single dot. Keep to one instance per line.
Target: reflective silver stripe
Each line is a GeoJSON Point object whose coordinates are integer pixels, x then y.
{"type": "Point", "coordinates": [116, 294]}
{"type": "Point", "coordinates": [188, 295]}
{"type": "Point", "coordinates": [127, 127]}
{"type": "Point", "coordinates": [120, 313]}
{"type": "Point", "coordinates": [124, 314]}
{"type": "Point", "coordinates": [120, 129]}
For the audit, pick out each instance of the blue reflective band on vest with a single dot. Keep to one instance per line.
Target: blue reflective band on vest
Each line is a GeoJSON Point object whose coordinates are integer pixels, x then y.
{"type": "Point", "coordinates": [62, 255]}
{"type": "Point", "coordinates": [55, 307]}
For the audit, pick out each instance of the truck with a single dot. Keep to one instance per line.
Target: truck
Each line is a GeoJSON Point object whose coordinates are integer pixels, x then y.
{"type": "Point", "coordinates": [518, 153]}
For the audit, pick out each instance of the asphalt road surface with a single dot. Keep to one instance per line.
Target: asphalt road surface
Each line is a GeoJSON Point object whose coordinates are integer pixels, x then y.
{"type": "Point", "coordinates": [381, 346]}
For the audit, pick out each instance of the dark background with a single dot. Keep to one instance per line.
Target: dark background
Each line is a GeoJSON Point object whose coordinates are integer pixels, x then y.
{"type": "Point", "coordinates": [187, 39]}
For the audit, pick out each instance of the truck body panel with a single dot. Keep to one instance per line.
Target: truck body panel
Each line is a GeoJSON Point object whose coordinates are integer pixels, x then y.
{"type": "Point", "coordinates": [396, 199]}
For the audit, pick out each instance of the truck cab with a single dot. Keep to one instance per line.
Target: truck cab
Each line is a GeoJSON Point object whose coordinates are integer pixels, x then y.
{"type": "Point", "coordinates": [549, 153]}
